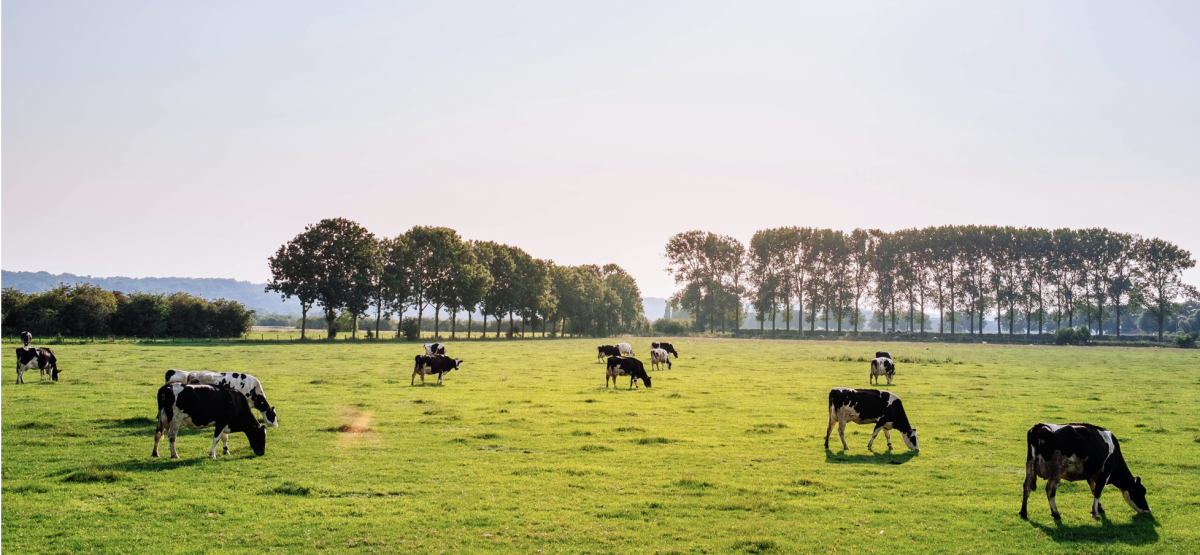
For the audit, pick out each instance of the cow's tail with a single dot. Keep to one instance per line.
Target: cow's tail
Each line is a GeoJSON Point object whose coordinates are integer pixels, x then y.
{"type": "Point", "coordinates": [166, 398]}
{"type": "Point", "coordinates": [832, 411]}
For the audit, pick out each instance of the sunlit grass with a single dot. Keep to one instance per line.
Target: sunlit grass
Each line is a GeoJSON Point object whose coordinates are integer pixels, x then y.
{"type": "Point", "coordinates": [525, 450]}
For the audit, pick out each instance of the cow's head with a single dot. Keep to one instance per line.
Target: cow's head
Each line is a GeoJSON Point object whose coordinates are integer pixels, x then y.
{"type": "Point", "coordinates": [258, 439]}
{"type": "Point", "coordinates": [1136, 496]}
{"type": "Point", "coordinates": [646, 380]}
{"type": "Point", "coordinates": [26, 337]}
{"type": "Point", "coordinates": [457, 362]}
{"type": "Point", "coordinates": [54, 373]}
{"type": "Point", "coordinates": [910, 439]}
{"type": "Point", "coordinates": [270, 416]}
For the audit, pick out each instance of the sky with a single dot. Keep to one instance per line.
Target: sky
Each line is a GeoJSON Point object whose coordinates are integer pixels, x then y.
{"type": "Point", "coordinates": [192, 139]}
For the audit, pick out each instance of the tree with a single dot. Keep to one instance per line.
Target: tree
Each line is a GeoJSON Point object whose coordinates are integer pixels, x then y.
{"type": "Point", "coordinates": [500, 297]}
{"type": "Point", "coordinates": [1159, 277]}
{"type": "Point", "coordinates": [295, 272]}
{"type": "Point", "coordinates": [435, 254]}
{"type": "Point", "coordinates": [343, 251]}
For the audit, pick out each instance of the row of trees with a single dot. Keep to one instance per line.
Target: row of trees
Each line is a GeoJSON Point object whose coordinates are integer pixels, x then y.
{"type": "Point", "coordinates": [85, 310]}
{"type": "Point", "coordinates": [343, 268]}
{"type": "Point", "coordinates": [1030, 274]}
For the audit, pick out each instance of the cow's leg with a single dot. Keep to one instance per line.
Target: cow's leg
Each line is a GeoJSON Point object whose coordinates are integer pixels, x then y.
{"type": "Point", "coordinates": [1097, 488]}
{"type": "Point", "coordinates": [887, 434]}
{"type": "Point", "coordinates": [842, 434]}
{"type": "Point", "coordinates": [171, 433]}
{"type": "Point", "coordinates": [413, 381]}
{"type": "Point", "coordinates": [20, 375]}
{"type": "Point", "coordinates": [216, 437]}
{"type": "Point", "coordinates": [871, 442]}
{"type": "Point", "coordinates": [158, 433]}
{"type": "Point", "coordinates": [1029, 487]}
{"type": "Point", "coordinates": [829, 428]}
{"type": "Point", "coordinates": [225, 441]}
{"type": "Point", "coordinates": [1051, 490]}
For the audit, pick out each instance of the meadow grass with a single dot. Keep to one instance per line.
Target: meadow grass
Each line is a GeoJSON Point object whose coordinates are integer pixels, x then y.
{"type": "Point", "coordinates": [524, 450]}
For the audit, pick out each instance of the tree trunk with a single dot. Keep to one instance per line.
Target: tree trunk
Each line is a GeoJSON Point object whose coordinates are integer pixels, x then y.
{"type": "Point", "coordinates": [511, 327]}
{"type": "Point", "coordinates": [453, 323]}
{"type": "Point", "coordinates": [330, 327]}
{"type": "Point", "coordinates": [303, 320]}
{"type": "Point", "coordinates": [353, 326]}
{"type": "Point", "coordinates": [378, 317]}
{"type": "Point", "coordinates": [437, 321]}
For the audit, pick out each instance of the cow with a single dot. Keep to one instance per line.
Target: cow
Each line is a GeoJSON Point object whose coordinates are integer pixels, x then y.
{"type": "Point", "coordinates": [882, 366]}
{"type": "Point", "coordinates": [202, 406]}
{"type": "Point", "coordinates": [869, 406]}
{"type": "Point", "coordinates": [605, 351]}
{"type": "Point", "coordinates": [883, 354]}
{"type": "Point", "coordinates": [658, 357]}
{"type": "Point", "coordinates": [433, 364]}
{"type": "Point", "coordinates": [26, 338]}
{"type": "Point", "coordinates": [666, 347]}
{"type": "Point", "coordinates": [626, 349]}
{"type": "Point", "coordinates": [1076, 452]}
{"type": "Point", "coordinates": [626, 366]}
{"type": "Point", "coordinates": [435, 348]}
{"type": "Point", "coordinates": [41, 358]}
{"type": "Point", "coordinates": [245, 383]}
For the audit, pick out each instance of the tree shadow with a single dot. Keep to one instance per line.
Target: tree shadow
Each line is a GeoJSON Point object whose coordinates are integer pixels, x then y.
{"type": "Point", "coordinates": [869, 458]}
{"type": "Point", "coordinates": [1139, 531]}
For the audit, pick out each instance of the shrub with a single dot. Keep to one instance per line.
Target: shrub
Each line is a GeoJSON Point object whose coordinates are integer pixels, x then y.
{"type": "Point", "coordinates": [1083, 334]}
{"type": "Point", "coordinates": [411, 329]}
{"type": "Point", "coordinates": [1064, 336]}
{"type": "Point", "coordinates": [664, 326]}
{"type": "Point", "coordinates": [1187, 340]}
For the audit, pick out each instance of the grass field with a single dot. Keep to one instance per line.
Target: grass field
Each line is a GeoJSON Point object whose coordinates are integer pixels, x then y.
{"type": "Point", "coordinates": [524, 450]}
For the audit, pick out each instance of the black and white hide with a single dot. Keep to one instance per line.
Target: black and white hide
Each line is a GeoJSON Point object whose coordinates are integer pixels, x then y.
{"type": "Point", "coordinates": [666, 347]}
{"type": "Point", "coordinates": [605, 351]}
{"type": "Point", "coordinates": [1076, 452]}
{"type": "Point", "coordinates": [882, 366]}
{"type": "Point", "coordinates": [433, 364]}
{"type": "Point", "coordinates": [435, 348]}
{"type": "Point", "coordinates": [869, 406]}
{"type": "Point", "coordinates": [626, 349]}
{"type": "Point", "coordinates": [248, 385]}
{"type": "Point", "coordinates": [658, 357]}
{"type": "Point", "coordinates": [626, 366]}
{"type": "Point", "coordinates": [207, 406]}
{"type": "Point", "coordinates": [41, 358]}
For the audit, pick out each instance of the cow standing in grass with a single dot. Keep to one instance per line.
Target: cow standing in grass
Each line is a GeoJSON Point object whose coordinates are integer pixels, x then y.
{"type": "Point", "coordinates": [433, 364]}
{"type": "Point", "coordinates": [41, 358]}
{"type": "Point", "coordinates": [248, 385]}
{"type": "Point", "coordinates": [435, 348]}
{"type": "Point", "coordinates": [626, 349]}
{"type": "Point", "coordinates": [605, 351]}
{"type": "Point", "coordinates": [658, 357]}
{"type": "Point", "coordinates": [869, 406]}
{"type": "Point", "coordinates": [666, 347]}
{"type": "Point", "coordinates": [1076, 452]}
{"type": "Point", "coordinates": [626, 366]}
{"type": "Point", "coordinates": [882, 366]}
{"type": "Point", "coordinates": [202, 406]}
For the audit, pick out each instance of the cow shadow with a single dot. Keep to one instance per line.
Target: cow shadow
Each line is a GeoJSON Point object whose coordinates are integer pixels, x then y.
{"type": "Point", "coordinates": [1141, 530]}
{"type": "Point", "coordinates": [885, 457]}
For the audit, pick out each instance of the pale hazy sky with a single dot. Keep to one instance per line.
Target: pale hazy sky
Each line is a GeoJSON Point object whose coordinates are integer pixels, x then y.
{"type": "Point", "coordinates": [193, 138]}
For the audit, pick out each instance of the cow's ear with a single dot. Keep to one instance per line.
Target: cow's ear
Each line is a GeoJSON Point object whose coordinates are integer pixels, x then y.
{"type": "Point", "coordinates": [1137, 479]}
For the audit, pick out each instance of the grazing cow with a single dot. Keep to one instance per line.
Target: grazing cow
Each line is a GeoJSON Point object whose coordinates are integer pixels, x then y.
{"type": "Point", "coordinates": [605, 351]}
{"type": "Point", "coordinates": [1076, 452]}
{"type": "Point", "coordinates": [435, 348]}
{"type": "Point", "coordinates": [202, 406]}
{"type": "Point", "coordinates": [882, 366]}
{"type": "Point", "coordinates": [41, 358]}
{"type": "Point", "coordinates": [869, 406]}
{"type": "Point", "coordinates": [26, 337]}
{"type": "Point", "coordinates": [666, 347]}
{"type": "Point", "coordinates": [883, 354]}
{"type": "Point", "coordinates": [245, 383]}
{"type": "Point", "coordinates": [626, 366]}
{"type": "Point", "coordinates": [433, 364]}
{"type": "Point", "coordinates": [626, 349]}
{"type": "Point", "coordinates": [658, 357]}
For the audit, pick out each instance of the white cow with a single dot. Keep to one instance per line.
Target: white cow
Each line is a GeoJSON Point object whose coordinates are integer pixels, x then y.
{"type": "Point", "coordinates": [658, 357]}
{"type": "Point", "coordinates": [626, 349]}
{"type": "Point", "coordinates": [882, 366]}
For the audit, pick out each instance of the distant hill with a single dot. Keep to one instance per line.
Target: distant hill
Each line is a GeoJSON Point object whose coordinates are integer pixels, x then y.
{"type": "Point", "coordinates": [250, 294]}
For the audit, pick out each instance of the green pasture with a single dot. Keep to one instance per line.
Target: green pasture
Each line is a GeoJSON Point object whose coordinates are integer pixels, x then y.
{"type": "Point", "coordinates": [524, 450]}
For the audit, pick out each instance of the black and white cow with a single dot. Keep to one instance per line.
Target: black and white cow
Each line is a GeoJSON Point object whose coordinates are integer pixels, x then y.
{"type": "Point", "coordinates": [1076, 452]}
{"type": "Point", "coordinates": [433, 364]}
{"type": "Point", "coordinates": [605, 351]}
{"type": "Point", "coordinates": [882, 366]}
{"type": "Point", "coordinates": [435, 349]}
{"type": "Point", "coordinates": [626, 349]}
{"type": "Point", "coordinates": [41, 358]}
{"type": "Point", "coordinates": [658, 357]}
{"type": "Point", "coordinates": [249, 385]}
{"type": "Point", "coordinates": [203, 406]}
{"type": "Point", "coordinates": [869, 406]}
{"type": "Point", "coordinates": [883, 354]}
{"type": "Point", "coordinates": [626, 366]}
{"type": "Point", "coordinates": [26, 338]}
{"type": "Point", "coordinates": [666, 347]}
